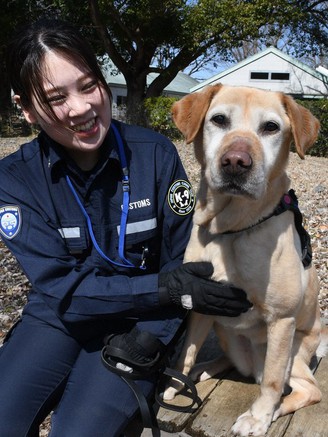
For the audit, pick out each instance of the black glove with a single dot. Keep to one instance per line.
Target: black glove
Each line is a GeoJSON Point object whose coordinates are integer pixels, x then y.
{"type": "Point", "coordinates": [189, 286]}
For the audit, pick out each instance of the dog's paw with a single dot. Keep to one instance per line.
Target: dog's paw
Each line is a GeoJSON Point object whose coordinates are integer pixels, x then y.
{"type": "Point", "coordinates": [199, 373]}
{"type": "Point", "coordinates": [205, 376]}
{"type": "Point", "coordinates": [171, 391]}
{"type": "Point", "coordinates": [248, 425]}
{"type": "Point", "coordinates": [276, 415]}
{"type": "Point", "coordinates": [208, 369]}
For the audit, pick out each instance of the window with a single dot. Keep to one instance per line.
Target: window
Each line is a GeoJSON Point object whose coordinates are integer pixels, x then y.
{"type": "Point", "coordinates": [267, 75]}
{"type": "Point", "coordinates": [279, 76]}
{"type": "Point", "coordinates": [121, 100]}
{"type": "Point", "coordinates": [257, 75]}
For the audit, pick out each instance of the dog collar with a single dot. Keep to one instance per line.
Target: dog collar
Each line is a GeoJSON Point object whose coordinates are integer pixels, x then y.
{"type": "Point", "coordinates": [288, 202]}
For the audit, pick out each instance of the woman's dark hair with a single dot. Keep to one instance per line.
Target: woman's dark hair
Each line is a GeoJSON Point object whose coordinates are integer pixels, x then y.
{"type": "Point", "coordinates": [26, 52]}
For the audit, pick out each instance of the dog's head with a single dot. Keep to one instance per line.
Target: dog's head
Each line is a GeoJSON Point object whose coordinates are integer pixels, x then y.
{"type": "Point", "coordinates": [242, 135]}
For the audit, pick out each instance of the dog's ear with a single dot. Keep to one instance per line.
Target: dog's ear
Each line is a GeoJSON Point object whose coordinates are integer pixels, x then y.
{"type": "Point", "coordinates": [305, 127]}
{"type": "Point", "coordinates": [189, 112]}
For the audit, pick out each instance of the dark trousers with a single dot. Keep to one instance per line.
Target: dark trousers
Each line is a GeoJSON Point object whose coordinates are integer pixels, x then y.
{"type": "Point", "coordinates": [44, 368]}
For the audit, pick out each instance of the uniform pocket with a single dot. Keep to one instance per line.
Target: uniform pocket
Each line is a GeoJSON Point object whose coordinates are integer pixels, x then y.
{"type": "Point", "coordinates": [76, 238]}
{"type": "Point", "coordinates": [145, 252]}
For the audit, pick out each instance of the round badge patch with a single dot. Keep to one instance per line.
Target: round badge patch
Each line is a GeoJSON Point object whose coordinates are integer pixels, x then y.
{"type": "Point", "coordinates": [10, 221]}
{"type": "Point", "coordinates": [181, 198]}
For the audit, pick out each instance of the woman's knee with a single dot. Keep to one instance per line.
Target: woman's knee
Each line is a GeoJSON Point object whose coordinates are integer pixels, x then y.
{"type": "Point", "coordinates": [33, 369]}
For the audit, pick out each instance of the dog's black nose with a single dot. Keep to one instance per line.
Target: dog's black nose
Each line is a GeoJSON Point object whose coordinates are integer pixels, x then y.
{"type": "Point", "coordinates": [236, 162]}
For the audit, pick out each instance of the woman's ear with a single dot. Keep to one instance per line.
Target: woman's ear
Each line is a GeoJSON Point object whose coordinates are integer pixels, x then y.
{"type": "Point", "coordinates": [29, 114]}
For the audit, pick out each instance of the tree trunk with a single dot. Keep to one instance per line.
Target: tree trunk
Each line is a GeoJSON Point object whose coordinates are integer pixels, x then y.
{"type": "Point", "coordinates": [5, 89]}
{"type": "Point", "coordinates": [136, 90]}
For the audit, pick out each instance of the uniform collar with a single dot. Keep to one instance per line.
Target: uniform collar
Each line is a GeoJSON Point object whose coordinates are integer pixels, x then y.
{"type": "Point", "coordinates": [56, 155]}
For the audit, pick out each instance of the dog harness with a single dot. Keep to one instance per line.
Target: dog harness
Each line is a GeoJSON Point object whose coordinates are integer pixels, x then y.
{"type": "Point", "coordinates": [289, 202]}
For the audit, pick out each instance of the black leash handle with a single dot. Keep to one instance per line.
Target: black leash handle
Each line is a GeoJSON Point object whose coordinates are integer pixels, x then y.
{"type": "Point", "coordinates": [147, 413]}
{"type": "Point", "coordinates": [110, 356]}
{"type": "Point", "coordinates": [188, 383]}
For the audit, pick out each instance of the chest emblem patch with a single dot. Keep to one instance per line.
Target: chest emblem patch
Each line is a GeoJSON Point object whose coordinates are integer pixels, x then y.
{"type": "Point", "coordinates": [10, 221]}
{"type": "Point", "coordinates": [181, 198]}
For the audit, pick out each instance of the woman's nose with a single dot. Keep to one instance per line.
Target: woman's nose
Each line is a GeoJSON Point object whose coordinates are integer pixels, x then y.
{"type": "Point", "coordinates": [78, 105]}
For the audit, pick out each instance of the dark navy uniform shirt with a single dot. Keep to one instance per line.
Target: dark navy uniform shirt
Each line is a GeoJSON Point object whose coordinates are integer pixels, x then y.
{"type": "Point", "coordinates": [43, 226]}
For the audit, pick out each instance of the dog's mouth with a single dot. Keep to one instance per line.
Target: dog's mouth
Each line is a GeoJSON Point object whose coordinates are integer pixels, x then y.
{"type": "Point", "coordinates": [236, 189]}
{"type": "Point", "coordinates": [247, 184]}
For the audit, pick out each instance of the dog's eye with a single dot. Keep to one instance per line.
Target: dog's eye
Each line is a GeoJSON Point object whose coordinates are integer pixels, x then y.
{"type": "Point", "coordinates": [270, 126]}
{"type": "Point", "coordinates": [221, 120]}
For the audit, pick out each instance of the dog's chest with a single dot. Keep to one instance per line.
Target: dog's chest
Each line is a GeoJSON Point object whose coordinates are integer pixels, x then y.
{"type": "Point", "coordinates": [246, 259]}
{"type": "Point", "coordinates": [238, 258]}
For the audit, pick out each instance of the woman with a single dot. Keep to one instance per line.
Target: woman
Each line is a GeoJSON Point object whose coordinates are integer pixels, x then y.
{"type": "Point", "coordinates": [98, 215]}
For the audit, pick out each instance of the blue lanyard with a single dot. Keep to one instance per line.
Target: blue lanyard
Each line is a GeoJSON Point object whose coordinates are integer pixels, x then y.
{"type": "Point", "coordinates": [124, 216]}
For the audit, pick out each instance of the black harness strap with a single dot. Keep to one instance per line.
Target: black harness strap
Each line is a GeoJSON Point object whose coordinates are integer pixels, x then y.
{"type": "Point", "coordinates": [289, 202]}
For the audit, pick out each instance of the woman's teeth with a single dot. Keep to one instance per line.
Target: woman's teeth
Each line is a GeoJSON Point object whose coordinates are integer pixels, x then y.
{"type": "Point", "coordinates": [85, 127]}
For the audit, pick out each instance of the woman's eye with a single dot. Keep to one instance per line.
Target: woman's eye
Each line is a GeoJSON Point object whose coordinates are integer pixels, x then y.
{"type": "Point", "coordinates": [220, 120]}
{"type": "Point", "coordinates": [90, 86]}
{"type": "Point", "coordinates": [56, 99]}
{"type": "Point", "coordinates": [270, 126]}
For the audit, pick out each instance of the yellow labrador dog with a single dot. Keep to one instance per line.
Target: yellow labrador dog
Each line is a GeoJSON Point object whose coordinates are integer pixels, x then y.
{"type": "Point", "coordinates": [244, 223]}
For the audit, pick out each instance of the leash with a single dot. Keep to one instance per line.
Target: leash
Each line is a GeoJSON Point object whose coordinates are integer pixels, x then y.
{"type": "Point", "coordinates": [289, 202]}
{"type": "Point", "coordinates": [116, 360]}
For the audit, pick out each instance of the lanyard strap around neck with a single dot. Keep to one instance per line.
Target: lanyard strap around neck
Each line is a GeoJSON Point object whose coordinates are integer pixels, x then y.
{"type": "Point", "coordinates": [126, 196]}
{"type": "Point", "coordinates": [125, 210]}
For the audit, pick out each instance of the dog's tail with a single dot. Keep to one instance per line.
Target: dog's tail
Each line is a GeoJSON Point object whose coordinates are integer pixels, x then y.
{"type": "Point", "coordinates": [322, 350]}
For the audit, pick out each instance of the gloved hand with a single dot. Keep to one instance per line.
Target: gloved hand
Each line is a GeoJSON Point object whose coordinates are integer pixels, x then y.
{"type": "Point", "coordinates": [133, 348]}
{"type": "Point", "coordinates": [189, 286]}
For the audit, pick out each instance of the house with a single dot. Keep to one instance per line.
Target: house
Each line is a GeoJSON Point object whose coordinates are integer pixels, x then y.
{"type": "Point", "coordinates": [273, 70]}
{"type": "Point", "coordinates": [179, 87]}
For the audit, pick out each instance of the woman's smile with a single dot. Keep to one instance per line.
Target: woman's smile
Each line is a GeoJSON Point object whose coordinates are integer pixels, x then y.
{"type": "Point", "coordinates": [87, 129]}
{"type": "Point", "coordinates": [81, 108]}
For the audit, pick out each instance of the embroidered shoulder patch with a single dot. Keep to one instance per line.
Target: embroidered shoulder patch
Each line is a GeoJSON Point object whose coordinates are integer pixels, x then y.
{"type": "Point", "coordinates": [181, 198]}
{"type": "Point", "coordinates": [10, 221]}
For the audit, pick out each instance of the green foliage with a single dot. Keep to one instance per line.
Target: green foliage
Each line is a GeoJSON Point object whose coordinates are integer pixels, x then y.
{"type": "Point", "coordinates": [165, 37]}
{"type": "Point", "coordinates": [319, 108]}
{"type": "Point", "coordinates": [158, 113]}
{"type": "Point", "coordinates": [14, 13]}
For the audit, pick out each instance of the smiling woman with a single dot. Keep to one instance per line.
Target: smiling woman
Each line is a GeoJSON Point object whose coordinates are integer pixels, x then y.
{"type": "Point", "coordinates": [80, 108]}
{"type": "Point", "coordinates": [84, 209]}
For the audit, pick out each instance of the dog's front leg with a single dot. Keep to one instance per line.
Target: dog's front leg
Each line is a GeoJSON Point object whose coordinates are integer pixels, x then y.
{"type": "Point", "coordinates": [257, 419]}
{"type": "Point", "coordinates": [198, 328]}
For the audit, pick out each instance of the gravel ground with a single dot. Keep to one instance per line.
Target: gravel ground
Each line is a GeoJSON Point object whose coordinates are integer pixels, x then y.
{"type": "Point", "coordinates": [309, 180]}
